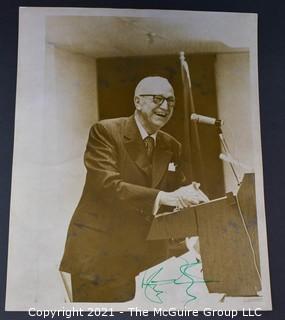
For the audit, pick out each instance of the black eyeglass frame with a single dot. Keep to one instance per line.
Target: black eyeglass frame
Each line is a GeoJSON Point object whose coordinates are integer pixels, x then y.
{"type": "Point", "coordinates": [170, 100]}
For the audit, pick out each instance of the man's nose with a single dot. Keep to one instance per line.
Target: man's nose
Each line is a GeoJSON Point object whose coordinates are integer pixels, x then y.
{"type": "Point", "coordinates": [164, 105]}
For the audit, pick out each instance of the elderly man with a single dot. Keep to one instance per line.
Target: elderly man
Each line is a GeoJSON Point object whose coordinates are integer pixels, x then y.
{"type": "Point", "coordinates": [133, 169]}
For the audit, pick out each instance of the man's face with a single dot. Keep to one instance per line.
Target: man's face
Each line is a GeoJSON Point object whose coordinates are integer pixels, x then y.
{"type": "Point", "coordinates": [155, 103]}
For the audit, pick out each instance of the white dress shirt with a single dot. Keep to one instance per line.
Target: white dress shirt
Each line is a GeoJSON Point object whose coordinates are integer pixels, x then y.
{"type": "Point", "coordinates": [143, 132]}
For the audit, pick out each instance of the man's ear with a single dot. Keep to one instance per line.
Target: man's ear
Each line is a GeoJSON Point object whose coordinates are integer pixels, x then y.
{"type": "Point", "coordinates": [137, 102]}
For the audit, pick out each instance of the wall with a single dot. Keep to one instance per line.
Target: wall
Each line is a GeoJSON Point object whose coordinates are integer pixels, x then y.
{"type": "Point", "coordinates": [55, 110]}
{"type": "Point", "coordinates": [234, 107]}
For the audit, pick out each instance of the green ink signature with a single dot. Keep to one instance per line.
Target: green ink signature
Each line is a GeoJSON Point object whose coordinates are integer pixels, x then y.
{"type": "Point", "coordinates": [152, 286]}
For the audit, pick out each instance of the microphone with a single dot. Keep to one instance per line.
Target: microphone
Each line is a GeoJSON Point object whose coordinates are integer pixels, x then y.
{"type": "Point", "coordinates": [207, 120]}
{"type": "Point", "coordinates": [228, 158]}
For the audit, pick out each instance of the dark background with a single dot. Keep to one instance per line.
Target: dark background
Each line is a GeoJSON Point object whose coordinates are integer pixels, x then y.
{"type": "Point", "coordinates": [271, 41]}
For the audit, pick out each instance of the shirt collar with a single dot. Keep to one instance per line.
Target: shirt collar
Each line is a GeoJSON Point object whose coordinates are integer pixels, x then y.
{"type": "Point", "coordinates": [142, 130]}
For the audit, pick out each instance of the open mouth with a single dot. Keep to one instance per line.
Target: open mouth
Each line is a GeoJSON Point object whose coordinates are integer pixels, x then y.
{"type": "Point", "coordinates": [161, 114]}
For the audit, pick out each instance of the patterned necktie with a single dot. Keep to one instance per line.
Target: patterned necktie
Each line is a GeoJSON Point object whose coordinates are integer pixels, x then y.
{"type": "Point", "coordinates": [149, 145]}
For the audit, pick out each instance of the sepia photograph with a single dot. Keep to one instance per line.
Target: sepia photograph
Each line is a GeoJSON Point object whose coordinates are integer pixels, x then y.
{"type": "Point", "coordinates": [137, 177]}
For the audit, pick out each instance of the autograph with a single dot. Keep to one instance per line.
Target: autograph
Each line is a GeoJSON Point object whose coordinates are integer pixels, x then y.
{"type": "Point", "coordinates": [152, 287]}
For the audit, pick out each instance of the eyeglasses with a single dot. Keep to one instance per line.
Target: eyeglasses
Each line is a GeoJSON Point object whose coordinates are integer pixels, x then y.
{"type": "Point", "coordinates": [158, 99]}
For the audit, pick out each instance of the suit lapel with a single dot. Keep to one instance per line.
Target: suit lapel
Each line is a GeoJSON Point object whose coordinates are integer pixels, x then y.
{"type": "Point", "coordinates": [161, 158]}
{"type": "Point", "coordinates": [135, 145]}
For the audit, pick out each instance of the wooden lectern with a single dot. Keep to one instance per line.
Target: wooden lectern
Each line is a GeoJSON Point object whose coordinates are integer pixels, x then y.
{"type": "Point", "coordinates": [227, 230]}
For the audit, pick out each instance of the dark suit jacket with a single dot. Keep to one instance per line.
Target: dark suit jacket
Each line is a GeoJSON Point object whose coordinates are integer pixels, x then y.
{"type": "Point", "coordinates": [106, 239]}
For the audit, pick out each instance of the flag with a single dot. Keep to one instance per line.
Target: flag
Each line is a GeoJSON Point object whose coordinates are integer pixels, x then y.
{"type": "Point", "coordinates": [191, 153]}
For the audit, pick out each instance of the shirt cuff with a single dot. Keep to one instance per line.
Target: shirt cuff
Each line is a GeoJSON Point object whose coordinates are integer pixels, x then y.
{"type": "Point", "coordinates": [156, 204]}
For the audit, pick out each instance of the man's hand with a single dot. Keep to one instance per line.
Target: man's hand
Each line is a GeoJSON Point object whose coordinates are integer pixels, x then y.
{"type": "Point", "coordinates": [183, 197]}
